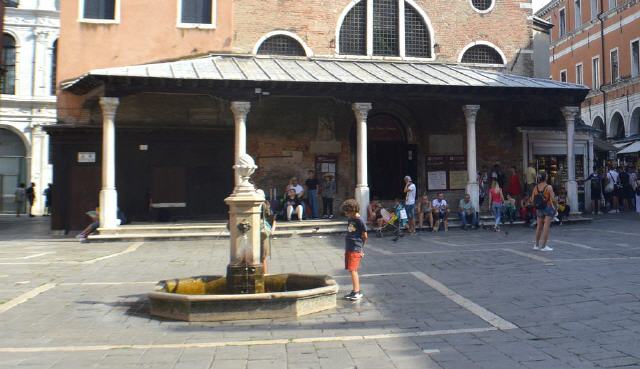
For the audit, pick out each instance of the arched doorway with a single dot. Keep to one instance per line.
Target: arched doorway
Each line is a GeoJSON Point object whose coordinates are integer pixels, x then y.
{"type": "Point", "coordinates": [598, 124]}
{"type": "Point", "coordinates": [390, 157]}
{"type": "Point", "coordinates": [616, 129]}
{"type": "Point", "coordinates": [634, 125]}
{"type": "Point", "coordinates": [12, 168]}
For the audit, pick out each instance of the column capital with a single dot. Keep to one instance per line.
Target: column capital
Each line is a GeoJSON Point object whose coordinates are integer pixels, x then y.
{"type": "Point", "coordinates": [240, 108]}
{"type": "Point", "coordinates": [361, 110]}
{"type": "Point", "coordinates": [109, 106]}
{"type": "Point", "coordinates": [470, 111]}
{"type": "Point", "coordinates": [570, 112]}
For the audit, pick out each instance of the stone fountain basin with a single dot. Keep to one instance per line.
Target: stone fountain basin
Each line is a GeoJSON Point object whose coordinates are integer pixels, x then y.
{"type": "Point", "coordinates": [205, 299]}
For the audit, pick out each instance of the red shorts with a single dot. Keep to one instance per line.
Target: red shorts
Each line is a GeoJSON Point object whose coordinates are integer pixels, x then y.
{"type": "Point", "coordinates": [352, 260]}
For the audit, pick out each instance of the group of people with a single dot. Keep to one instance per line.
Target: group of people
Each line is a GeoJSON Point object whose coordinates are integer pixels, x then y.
{"type": "Point", "coordinates": [614, 190]}
{"type": "Point", "coordinates": [299, 199]}
{"type": "Point", "coordinates": [24, 195]}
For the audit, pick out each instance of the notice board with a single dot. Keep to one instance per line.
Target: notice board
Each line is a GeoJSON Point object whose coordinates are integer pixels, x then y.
{"type": "Point", "coordinates": [446, 172]}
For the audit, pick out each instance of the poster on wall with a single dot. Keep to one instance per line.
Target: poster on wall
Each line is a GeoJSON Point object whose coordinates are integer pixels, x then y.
{"type": "Point", "coordinates": [437, 180]}
{"type": "Point", "coordinates": [458, 179]}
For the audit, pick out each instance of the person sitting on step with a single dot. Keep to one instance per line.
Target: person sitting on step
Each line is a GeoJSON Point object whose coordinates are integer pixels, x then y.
{"type": "Point", "coordinates": [293, 204]}
{"type": "Point", "coordinates": [440, 212]}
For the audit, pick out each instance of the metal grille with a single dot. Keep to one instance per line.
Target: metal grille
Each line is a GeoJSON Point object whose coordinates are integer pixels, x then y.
{"type": "Point", "coordinates": [482, 4]}
{"type": "Point", "coordinates": [353, 32]}
{"type": "Point", "coordinates": [482, 54]}
{"type": "Point", "coordinates": [385, 27]}
{"type": "Point", "coordinates": [417, 40]}
{"type": "Point", "coordinates": [281, 45]}
{"type": "Point", "coordinates": [8, 66]}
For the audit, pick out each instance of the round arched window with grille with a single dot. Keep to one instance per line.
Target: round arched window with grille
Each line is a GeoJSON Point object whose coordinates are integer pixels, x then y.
{"type": "Point", "coordinates": [281, 45]}
{"type": "Point", "coordinates": [482, 6]}
{"type": "Point", "coordinates": [388, 20]}
{"type": "Point", "coordinates": [482, 54]}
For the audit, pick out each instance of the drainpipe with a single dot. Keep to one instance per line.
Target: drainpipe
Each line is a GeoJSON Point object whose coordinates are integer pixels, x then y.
{"type": "Point", "coordinates": [601, 88]}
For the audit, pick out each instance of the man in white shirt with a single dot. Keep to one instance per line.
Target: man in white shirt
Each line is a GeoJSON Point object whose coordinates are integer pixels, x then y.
{"type": "Point", "coordinates": [293, 184]}
{"type": "Point", "coordinates": [410, 203]}
{"type": "Point", "coordinates": [613, 177]}
{"type": "Point", "coordinates": [440, 212]}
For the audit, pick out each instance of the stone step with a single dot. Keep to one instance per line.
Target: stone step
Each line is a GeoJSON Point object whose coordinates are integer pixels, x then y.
{"type": "Point", "coordinates": [284, 229]}
{"type": "Point", "coordinates": [217, 227]}
{"type": "Point", "coordinates": [203, 235]}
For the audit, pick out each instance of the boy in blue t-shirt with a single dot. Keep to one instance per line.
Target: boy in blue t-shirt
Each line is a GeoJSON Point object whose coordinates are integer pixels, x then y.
{"type": "Point", "coordinates": [354, 246]}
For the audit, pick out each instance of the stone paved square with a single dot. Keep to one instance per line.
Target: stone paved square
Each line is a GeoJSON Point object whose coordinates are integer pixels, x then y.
{"type": "Point", "coordinates": [468, 300]}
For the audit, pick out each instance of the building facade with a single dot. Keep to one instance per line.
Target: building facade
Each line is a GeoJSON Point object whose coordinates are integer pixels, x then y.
{"type": "Point", "coordinates": [28, 100]}
{"type": "Point", "coordinates": [597, 43]}
{"type": "Point", "coordinates": [366, 90]}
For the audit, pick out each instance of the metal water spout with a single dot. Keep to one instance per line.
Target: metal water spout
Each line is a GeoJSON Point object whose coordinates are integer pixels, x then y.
{"type": "Point", "coordinates": [244, 272]}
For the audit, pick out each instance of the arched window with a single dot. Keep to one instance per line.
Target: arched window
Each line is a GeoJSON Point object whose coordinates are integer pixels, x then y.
{"type": "Point", "coordinates": [598, 125]}
{"type": "Point", "coordinates": [482, 54]}
{"type": "Point", "coordinates": [281, 45]}
{"type": "Point", "coordinates": [8, 66]}
{"type": "Point", "coordinates": [482, 5]}
{"type": "Point", "coordinates": [389, 20]}
{"type": "Point", "coordinates": [634, 125]}
{"type": "Point", "coordinates": [616, 126]}
{"type": "Point", "coordinates": [54, 66]}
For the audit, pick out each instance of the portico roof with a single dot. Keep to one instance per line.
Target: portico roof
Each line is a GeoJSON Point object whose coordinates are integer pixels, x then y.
{"type": "Point", "coordinates": [320, 71]}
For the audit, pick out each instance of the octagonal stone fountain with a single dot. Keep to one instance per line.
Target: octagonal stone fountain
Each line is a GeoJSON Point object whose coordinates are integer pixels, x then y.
{"type": "Point", "coordinates": [245, 292]}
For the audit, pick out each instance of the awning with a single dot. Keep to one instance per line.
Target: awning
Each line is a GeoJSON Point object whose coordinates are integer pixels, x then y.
{"type": "Point", "coordinates": [603, 145]}
{"type": "Point", "coordinates": [633, 148]}
{"type": "Point", "coordinates": [243, 69]}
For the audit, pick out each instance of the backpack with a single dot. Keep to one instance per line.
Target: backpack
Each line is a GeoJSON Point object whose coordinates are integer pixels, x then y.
{"type": "Point", "coordinates": [624, 179]}
{"type": "Point", "coordinates": [596, 184]}
{"type": "Point", "coordinates": [538, 200]}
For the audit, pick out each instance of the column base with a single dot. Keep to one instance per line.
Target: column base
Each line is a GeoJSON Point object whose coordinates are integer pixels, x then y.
{"type": "Point", "coordinates": [572, 195]}
{"type": "Point", "coordinates": [109, 209]}
{"type": "Point", "coordinates": [473, 189]}
{"type": "Point", "coordinates": [362, 197]}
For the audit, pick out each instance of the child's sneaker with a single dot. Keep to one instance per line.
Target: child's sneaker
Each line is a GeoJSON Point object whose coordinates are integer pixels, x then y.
{"type": "Point", "coordinates": [355, 296]}
{"type": "Point", "coordinates": [349, 295]}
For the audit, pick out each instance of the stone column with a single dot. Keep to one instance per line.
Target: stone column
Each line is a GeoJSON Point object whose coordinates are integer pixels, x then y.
{"type": "Point", "coordinates": [570, 113]}
{"type": "Point", "coordinates": [108, 194]}
{"type": "Point", "coordinates": [473, 189]}
{"type": "Point", "coordinates": [38, 163]}
{"type": "Point", "coordinates": [240, 110]}
{"type": "Point", "coordinates": [361, 111]}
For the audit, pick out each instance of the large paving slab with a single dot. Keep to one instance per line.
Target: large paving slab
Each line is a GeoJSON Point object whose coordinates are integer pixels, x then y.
{"type": "Point", "coordinates": [475, 299]}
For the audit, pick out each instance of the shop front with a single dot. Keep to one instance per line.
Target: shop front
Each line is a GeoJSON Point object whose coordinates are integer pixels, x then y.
{"type": "Point", "coordinates": [547, 149]}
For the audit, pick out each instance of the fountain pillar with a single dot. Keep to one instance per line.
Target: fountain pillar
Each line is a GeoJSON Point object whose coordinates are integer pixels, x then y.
{"type": "Point", "coordinates": [244, 272]}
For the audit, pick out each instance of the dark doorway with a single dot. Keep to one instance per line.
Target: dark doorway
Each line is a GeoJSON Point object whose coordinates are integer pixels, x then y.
{"type": "Point", "coordinates": [390, 157]}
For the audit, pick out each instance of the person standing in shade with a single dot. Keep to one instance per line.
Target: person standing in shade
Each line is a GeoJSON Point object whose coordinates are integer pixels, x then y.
{"type": "Point", "coordinates": [312, 193]}
{"type": "Point", "coordinates": [48, 192]}
{"type": "Point", "coordinates": [31, 197]}
{"type": "Point", "coordinates": [595, 183]}
{"type": "Point", "coordinates": [410, 203]}
{"type": "Point", "coordinates": [20, 196]}
{"type": "Point", "coordinates": [612, 190]}
{"type": "Point", "coordinates": [355, 239]}
{"type": "Point", "coordinates": [497, 200]}
{"type": "Point", "coordinates": [515, 187]}
{"type": "Point", "coordinates": [542, 198]}
{"type": "Point", "coordinates": [328, 192]}
{"type": "Point", "coordinates": [637, 192]}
